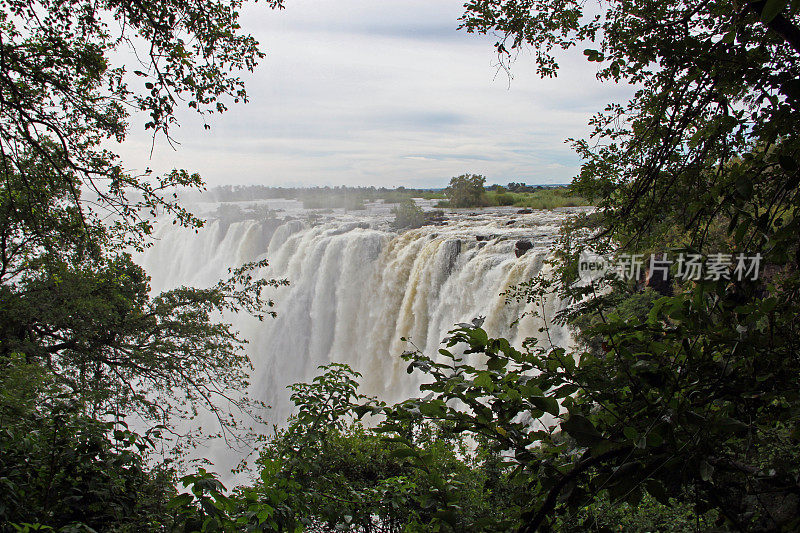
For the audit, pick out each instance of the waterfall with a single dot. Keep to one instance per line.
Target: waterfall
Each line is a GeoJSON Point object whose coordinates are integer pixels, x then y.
{"type": "Point", "coordinates": [357, 287]}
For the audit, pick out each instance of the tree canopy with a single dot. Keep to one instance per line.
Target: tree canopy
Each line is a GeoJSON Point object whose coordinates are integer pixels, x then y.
{"type": "Point", "coordinates": [83, 343]}
{"type": "Point", "coordinates": [71, 297]}
{"type": "Point", "coordinates": [466, 190]}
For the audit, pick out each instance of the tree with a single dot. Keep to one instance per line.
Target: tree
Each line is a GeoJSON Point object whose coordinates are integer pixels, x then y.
{"type": "Point", "coordinates": [71, 297]}
{"type": "Point", "coordinates": [62, 469]}
{"type": "Point", "coordinates": [466, 190]}
{"type": "Point", "coordinates": [62, 95]}
{"type": "Point", "coordinates": [73, 305]}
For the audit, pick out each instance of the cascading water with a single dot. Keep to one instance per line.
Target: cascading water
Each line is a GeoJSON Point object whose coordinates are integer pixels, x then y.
{"type": "Point", "coordinates": [357, 287]}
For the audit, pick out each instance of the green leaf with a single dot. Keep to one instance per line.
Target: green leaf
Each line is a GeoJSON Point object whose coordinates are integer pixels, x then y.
{"type": "Point", "coordinates": [496, 363]}
{"type": "Point", "coordinates": [484, 380]}
{"type": "Point", "coordinates": [581, 429]}
{"type": "Point", "coordinates": [787, 163]}
{"type": "Point", "coordinates": [447, 515]}
{"type": "Point", "coordinates": [771, 10]}
{"type": "Point", "coordinates": [656, 489]}
{"type": "Point", "coordinates": [402, 453]}
{"type": "Point", "coordinates": [729, 37]}
{"type": "Point", "coordinates": [593, 55]}
{"type": "Point", "coordinates": [564, 391]}
{"type": "Point", "coordinates": [548, 404]}
{"type": "Point", "coordinates": [181, 500]}
{"type": "Point", "coordinates": [434, 409]}
{"type": "Point", "coordinates": [479, 336]}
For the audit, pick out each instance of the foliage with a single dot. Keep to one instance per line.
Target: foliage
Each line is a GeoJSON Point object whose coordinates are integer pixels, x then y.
{"type": "Point", "coordinates": [408, 215]}
{"type": "Point", "coordinates": [527, 197]}
{"type": "Point", "coordinates": [542, 198]}
{"type": "Point", "coordinates": [504, 199]}
{"type": "Point", "coordinates": [62, 96]}
{"type": "Point", "coordinates": [76, 314]}
{"type": "Point", "coordinates": [710, 132]}
{"type": "Point", "coordinates": [648, 515]}
{"type": "Point", "coordinates": [691, 396]}
{"type": "Point", "coordinates": [517, 194]}
{"type": "Point", "coordinates": [334, 473]}
{"type": "Point", "coordinates": [629, 422]}
{"type": "Point", "coordinates": [71, 298]}
{"type": "Point", "coordinates": [107, 342]}
{"type": "Point", "coordinates": [688, 400]}
{"type": "Point", "coordinates": [466, 190]}
{"type": "Point", "coordinates": [523, 187]}
{"type": "Point", "coordinates": [67, 471]}
{"type": "Point", "coordinates": [209, 507]}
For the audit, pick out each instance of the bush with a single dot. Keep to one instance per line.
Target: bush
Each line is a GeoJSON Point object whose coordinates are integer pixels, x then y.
{"type": "Point", "coordinates": [504, 199]}
{"type": "Point", "coordinates": [60, 467]}
{"type": "Point", "coordinates": [408, 215]}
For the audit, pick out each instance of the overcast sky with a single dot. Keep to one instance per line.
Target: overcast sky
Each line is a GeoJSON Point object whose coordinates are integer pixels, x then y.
{"type": "Point", "coordinates": [384, 93]}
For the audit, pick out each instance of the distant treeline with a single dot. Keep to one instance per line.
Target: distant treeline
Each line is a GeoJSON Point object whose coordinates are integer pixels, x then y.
{"type": "Point", "coordinates": [321, 196]}
{"type": "Point", "coordinates": [348, 197]}
{"type": "Point", "coordinates": [524, 187]}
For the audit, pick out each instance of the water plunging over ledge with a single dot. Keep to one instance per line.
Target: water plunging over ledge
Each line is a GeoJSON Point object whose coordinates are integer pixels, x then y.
{"type": "Point", "coordinates": [357, 287]}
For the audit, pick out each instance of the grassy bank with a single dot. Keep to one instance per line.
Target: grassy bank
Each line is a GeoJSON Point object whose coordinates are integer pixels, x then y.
{"type": "Point", "coordinates": [544, 198]}
{"type": "Point", "coordinates": [540, 199]}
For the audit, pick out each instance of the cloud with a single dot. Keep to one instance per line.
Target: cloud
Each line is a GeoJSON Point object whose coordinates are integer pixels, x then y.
{"type": "Point", "coordinates": [385, 93]}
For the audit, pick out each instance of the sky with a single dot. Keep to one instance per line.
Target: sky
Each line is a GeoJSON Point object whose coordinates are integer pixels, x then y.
{"type": "Point", "coordinates": [383, 93]}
